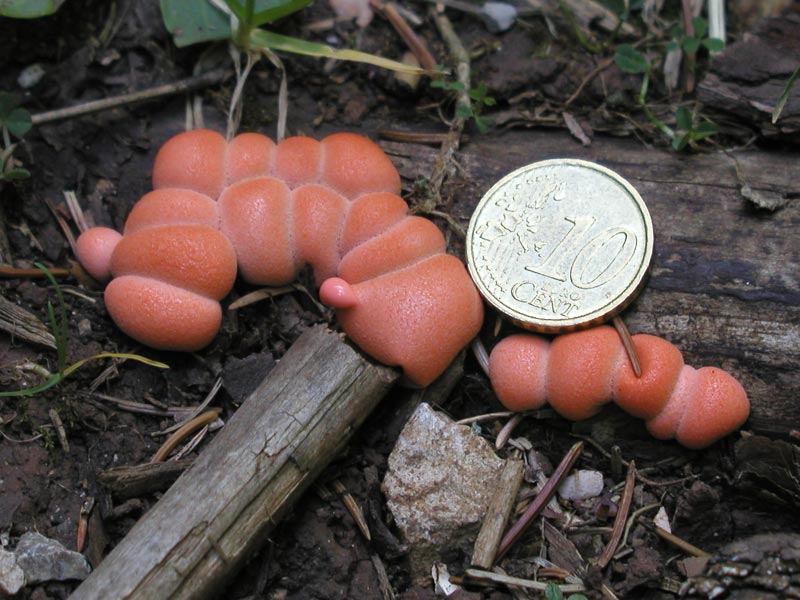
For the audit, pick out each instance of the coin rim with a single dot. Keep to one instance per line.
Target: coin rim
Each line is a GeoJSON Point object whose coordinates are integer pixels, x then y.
{"type": "Point", "coordinates": [596, 317]}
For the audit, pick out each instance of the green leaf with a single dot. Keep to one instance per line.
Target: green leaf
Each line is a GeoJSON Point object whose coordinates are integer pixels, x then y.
{"type": "Point", "coordinates": [713, 44]}
{"type": "Point", "coordinates": [690, 44]}
{"type": "Point", "coordinates": [483, 123]}
{"type": "Point", "coordinates": [784, 97]}
{"type": "Point", "coordinates": [553, 592]}
{"type": "Point", "coordinates": [280, 9]}
{"type": "Point", "coordinates": [705, 129]}
{"type": "Point", "coordinates": [259, 38]}
{"type": "Point", "coordinates": [19, 121]}
{"type": "Point", "coordinates": [465, 112]}
{"type": "Point", "coordinates": [700, 27]}
{"type": "Point", "coordinates": [673, 45]}
{"type": "Point", "coordinates": [679, 142]}
{"type": "Point", "coordinates": [8, 102]}
{"type": "Point", "coordinates": [683, 117]}
{"type": "Point", "coordinates": [630, 60]}
{"type": "Point", "coordinates": [194, 21]}
{"type": "Point", "coordinates": [28, 9]}
{"type": "Point", "coordinates": [15, 174]}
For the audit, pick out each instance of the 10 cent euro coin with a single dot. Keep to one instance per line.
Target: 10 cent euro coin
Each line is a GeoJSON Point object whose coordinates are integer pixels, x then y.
{"type": "Point", "coordinates": [560, 245]}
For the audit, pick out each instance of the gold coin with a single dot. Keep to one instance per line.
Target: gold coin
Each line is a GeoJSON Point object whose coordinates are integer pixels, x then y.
{"type": "Point", "coordinates": [560, 244]}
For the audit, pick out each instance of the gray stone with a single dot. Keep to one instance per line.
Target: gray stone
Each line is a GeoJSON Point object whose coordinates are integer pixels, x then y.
{"type": "Point", "coordinates": [440, 480]}
{"type": "Point", "coordinates": [581, 485]}
{"type": "Point", "coordinates": [12, 578]}
{"type": "Point", "coordinates": [44, 559]}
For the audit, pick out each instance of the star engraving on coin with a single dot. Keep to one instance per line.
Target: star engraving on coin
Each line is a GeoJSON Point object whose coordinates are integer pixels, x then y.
{"type": "Point", "coordinates": [560, 244]}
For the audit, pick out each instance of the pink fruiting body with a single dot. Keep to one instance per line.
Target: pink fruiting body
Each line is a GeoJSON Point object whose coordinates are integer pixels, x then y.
{"type": "Point", "coordinates": [266, 210]}
{"type": "Point", "coordinates": [579, 372]}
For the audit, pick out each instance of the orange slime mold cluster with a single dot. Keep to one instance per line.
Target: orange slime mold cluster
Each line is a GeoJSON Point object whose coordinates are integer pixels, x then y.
{"type": "Point", "coordinates": [267, 210]}
{"type": "Point", "coordinates": [579, 372]}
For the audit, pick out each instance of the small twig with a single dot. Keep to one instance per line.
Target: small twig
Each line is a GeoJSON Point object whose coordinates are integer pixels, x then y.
{"type": "Point", "coordinates": [679, 543]}
{"type": "Point", "coordinates": [411, 137]}
{"type": "Point", "coordinates": [83, 523]}
{"type": "Point", "coordinates": [480, 576]}
{"type": "Point", "coordinates": [627, 342]}
{"type": "Point", "coordinates": [383, 578]}
{"type": "Point", "coordinates": [63, 225]}
{"type": "Point", "coordinates": [75, 210]}
{"type": "Point", "coordinates": [196, 411]}
{"type": "Point", "coordinates": [691, 57]}
{"type": "Point", "coordinates": [497, 514]}
{"type": "Point", "coordinates": [481, 355]}
{"type": "Point", "coordinates": [485, 417]}
{"type": "Point", "coordinates": [177, 87]}
{"type": "Point", "coordinates": [541, 500]}
{"type": "Point", "coordinates": [619, 520]}
{"type": "Point", "coordinates": [32, 273]}
{"type": "Point", "coordinates": [207, 417]}
{"type": "Point", "coordinates": [461, 58]}
{"type": "Point", "coordinates": [283, 93]}
{"type": "Point", "coordinates": [416, 44]}
{"type": "Point", "coordinates": [353, 508]}
{"type": "Point", "coordinates": [635, 515]}
{"type": "Point", "coordinates": [507, 430]}
{"type": "Point", "coordinates": [58, 424]}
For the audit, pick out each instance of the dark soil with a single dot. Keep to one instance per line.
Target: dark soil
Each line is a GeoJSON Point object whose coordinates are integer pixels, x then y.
{"type": "Point", "coordinates": [93, 50]}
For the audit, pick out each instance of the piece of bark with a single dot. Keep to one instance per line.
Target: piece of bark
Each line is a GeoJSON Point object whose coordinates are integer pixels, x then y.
{"type": "Point", "coordinates": [496, 519]}
{"type": "Point", "coordinates": [137, 480]}
{"type": "Point", "coordinates": [222, 508]}
{"type": "Point", "coordinates": [724, 283]}
{"type": "Point", "coordinates": [21, 324]}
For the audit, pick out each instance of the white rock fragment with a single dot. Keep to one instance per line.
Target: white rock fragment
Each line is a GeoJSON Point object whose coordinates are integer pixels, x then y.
{"type": "Point", "coordinates": [662, 520]}
{"type": "Point", "coordinates": [30, 76]}
{"type": "Point", "coordinates": [440, 480]}
{"type": "Point", "coordinates": [45, 559]}
{"type": "Point", "coordinates": [12, 578]}
{"type": "Point", "coordinates": [581, 485]}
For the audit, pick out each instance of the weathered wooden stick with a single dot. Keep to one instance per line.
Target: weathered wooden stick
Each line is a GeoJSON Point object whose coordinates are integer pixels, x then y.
{"type": "Point", "coordinates": [494, 524]}
{"type": "Point", "coordinates": [221, 509]}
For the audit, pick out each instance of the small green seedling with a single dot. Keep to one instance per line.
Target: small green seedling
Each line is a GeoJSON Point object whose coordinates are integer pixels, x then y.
{"type": "Point", "coordinates": [479, 99]}
{"type": "Point", "coordinates": [689, 132]}
{"type": "Point", "coordinates": [553, 592]}
{"type": "Point", "coordinates": [60, 329]}
{"type": "Point", "coordinates": [15, 121]}
{"type": "Point", "coordinates": [692, 43]}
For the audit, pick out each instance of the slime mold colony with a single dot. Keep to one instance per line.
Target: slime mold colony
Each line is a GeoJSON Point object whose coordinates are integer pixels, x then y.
{"type": "Point", "coordinates": [272, 209]}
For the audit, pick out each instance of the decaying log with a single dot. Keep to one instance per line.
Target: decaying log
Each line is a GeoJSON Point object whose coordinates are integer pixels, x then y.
{"type": "Point", "coordinates": [221, 509]}
{"type": "Point", "coordinates": [725, 280]}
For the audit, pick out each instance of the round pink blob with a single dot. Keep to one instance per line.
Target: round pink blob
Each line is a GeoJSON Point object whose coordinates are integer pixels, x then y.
{"type": "Point", "coordinates": [94, 248]}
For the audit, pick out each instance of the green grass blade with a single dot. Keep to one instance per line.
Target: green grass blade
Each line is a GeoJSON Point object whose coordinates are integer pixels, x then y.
{"type": "Point", "coordinates": [53, 380]}
{"type": "Point", "coordinates": [784, 97]}
{"type": "Point", "coordinates": [60, 327]}
{"type": "Point", "coordinates": [260, 38]}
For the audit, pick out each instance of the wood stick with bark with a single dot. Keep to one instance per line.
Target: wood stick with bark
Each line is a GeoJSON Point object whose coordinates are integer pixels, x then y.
{"type": "Point", "coordinates": [222, 508]}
